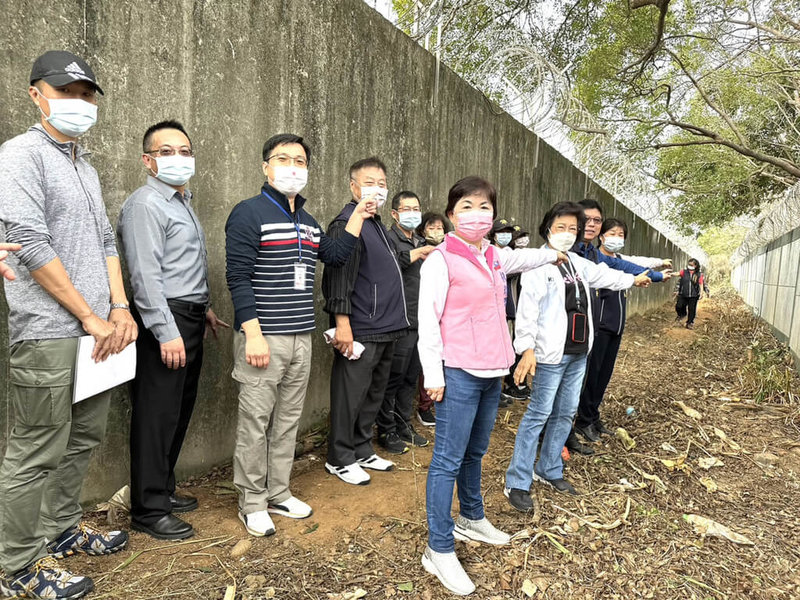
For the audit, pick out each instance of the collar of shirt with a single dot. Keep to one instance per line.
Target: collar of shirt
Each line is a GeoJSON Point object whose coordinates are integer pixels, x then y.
{"type": "Point", "coordinates": [299, 201]}
{"type": "Point", "coordinates": [65, 147]}
{"type": "Point", "coordinates": [415, 239]}
{"type": "Point", "coordinates": [167, 191]}
{"type": "Point", "coordinates": [484, 244]}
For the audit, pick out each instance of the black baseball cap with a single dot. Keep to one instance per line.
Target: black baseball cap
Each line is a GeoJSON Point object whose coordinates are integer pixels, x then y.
{"type": "Point", "coordinates": [58, 67]}
{"type": "Point", "coordinates": [502, 225]}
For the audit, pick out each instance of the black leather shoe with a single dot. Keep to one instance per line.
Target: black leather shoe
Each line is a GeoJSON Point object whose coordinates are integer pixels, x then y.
{"type": "Point", "coordinates": [588, 433]}
{"type": "Point", "coordinates": [575, 445]}
{"type": "Point", "coordinates": [168, 527]}
{"type": "Point", "coordinates": [182, 504]}
{"type": "Point", "coordinates": [602, 429]}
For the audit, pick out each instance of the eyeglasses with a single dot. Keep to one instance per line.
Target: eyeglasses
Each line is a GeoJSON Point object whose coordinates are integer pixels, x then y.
{"type": "Point", "coordinates": [594, 220]}
{"type": "Point", "coordinates": [284, 160]}
{"type": "Point", "coordinates": [169, 151]}
{"type": "Point", "coordinates": [409, 209]}
{"type": "Point", "coordinates": [563, 228]}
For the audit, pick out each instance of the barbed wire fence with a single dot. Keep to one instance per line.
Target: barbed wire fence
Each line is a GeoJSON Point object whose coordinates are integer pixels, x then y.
{"type": "Point", "coordinates": [775, 220]}
{"type": "Point", "coordinates": [539, 95]}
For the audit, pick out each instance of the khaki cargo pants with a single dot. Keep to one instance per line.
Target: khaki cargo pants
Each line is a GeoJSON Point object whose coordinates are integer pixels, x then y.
{"type": "Point", "coordinates": [48, 449]}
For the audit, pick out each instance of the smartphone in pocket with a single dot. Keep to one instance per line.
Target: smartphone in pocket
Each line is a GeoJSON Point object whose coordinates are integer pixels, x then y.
{"type": "Point", "coordinates": [579, 328]}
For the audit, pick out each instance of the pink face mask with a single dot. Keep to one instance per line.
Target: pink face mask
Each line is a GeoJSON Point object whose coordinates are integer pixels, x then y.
{"type": "Point", "coordinates": [474, 225]}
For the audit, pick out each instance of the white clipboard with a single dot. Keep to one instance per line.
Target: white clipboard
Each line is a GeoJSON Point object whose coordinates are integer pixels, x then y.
{"type": "Point", "coordinates": [92, 378]}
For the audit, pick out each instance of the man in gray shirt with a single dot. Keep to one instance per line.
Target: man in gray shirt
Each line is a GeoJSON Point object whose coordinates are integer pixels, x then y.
{"type": "Point", "coordinates": [68, 283]}
{"type": "Point", "coordinates": [165, 251]}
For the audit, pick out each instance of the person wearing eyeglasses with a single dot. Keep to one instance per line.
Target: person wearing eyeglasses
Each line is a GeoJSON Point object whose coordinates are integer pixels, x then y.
{"type": "Point", "coordinates": [165, 250]}
{"type": "Point", "coordinates": [272, 244]}
{"type": "Point", "coordinates": [394, 419]}
{"type": "Point", "coordinates": [68, 283]}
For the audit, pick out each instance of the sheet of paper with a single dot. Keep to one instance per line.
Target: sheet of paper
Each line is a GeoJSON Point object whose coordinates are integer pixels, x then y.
{"type": "Point", "coordinates": [91, 378]}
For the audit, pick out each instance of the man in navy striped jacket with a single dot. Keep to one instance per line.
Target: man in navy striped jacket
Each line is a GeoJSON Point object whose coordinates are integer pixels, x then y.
{"type": "Point", "coordinates": [272, 246]}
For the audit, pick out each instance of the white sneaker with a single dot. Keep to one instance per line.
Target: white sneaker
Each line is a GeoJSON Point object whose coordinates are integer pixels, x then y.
{"type": "Point", "coordinates": [376, 463]}
{"type": "Point", "coordinates": [258, 523]}
{"type": "Point", "coordinates": [448, 570]}
{"type": "Point", "coordinates": [352, 474]}
{"type": "Point", "coordinates": [292, 508]}
{"type": "Point", "coordinates": [479, 531]}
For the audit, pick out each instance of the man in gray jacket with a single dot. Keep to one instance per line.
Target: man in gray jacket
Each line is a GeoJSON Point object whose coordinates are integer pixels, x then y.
{"type": "Point", "coordinates": [68, 283]}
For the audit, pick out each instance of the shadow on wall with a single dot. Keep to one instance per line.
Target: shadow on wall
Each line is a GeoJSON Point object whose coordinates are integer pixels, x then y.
{"type": "Point", "coordinates": [349, 95]}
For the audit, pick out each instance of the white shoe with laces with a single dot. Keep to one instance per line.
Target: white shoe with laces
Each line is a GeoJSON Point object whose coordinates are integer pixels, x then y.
{"type": "Point", "coordinates": [376, 463]}
{"type": "Point", "coordinates": [446, 567]}
{"type": "Point", "coordinates": [479, 531]}
{"type": "Point", "coordinates": [258, 523]}
{"type": "Point", "coordinates": [352, 474]}
{"type": "Point", "coordinates": [292, 508]}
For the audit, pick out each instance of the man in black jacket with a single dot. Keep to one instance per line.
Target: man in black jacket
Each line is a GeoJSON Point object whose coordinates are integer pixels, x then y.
{"type": "Point", "coordinates": [366, 302]}
{"type": "Point", "coordinates": [394, 418]}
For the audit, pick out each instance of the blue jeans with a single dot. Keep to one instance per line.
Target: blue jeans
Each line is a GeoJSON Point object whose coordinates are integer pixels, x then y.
{"type": "Point", "coordinates": [464, 423]}
{"type": "Point", "coordinates": [555, 393]}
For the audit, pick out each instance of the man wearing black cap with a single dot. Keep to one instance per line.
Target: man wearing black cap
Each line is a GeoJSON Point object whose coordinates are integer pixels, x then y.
{"type": "Point", "coordinates": [68, 283]}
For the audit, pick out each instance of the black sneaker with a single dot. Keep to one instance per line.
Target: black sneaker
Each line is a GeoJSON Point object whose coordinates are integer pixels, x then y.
{"type": "Point", "coordinates": [410, 436]}
{"type": "Point", "coordinates": [45, 579]}
{"type": "Point", "coordinates": [516, 393]}
{"type": "Point", "coordinates": [426, 418]}
{"type": "Point", "coordinates": [575, 445]}
{"type": "Point", "coordinates": [505, 400]}
{"type": "Point", "coordinates": [690, 326]}
{"type": "Point", "coordinates": [392, 443]}
{"type": "Point", "coordinates": [519, 499]}
{"type": "Point", "coordinates": [600, 428]}
{"type": "Point", "coordinates": [524, 392]}
{"type": "Point", "coordinates": [588, 433]}
{"type": "Point", "coordinates": [560, 485]}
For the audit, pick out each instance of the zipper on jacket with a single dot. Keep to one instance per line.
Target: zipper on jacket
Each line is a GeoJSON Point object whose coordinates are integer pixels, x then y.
{"type": "Point", "coordinates": [621, 314]}
{"type": "Point", "coordinates": [399, 273]}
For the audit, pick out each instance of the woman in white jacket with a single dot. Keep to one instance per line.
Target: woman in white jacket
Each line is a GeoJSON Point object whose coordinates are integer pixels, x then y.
{"type": "Point", "coordinates": [554, 335]}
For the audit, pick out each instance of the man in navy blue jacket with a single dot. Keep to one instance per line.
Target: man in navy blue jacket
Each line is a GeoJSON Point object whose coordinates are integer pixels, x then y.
{"type": "Point", "coordinates": [272, 246]}
{"type": "Point", "coordinates": [366, 301]}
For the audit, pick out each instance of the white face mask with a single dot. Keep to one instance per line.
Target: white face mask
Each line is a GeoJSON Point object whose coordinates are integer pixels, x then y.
{"type": "Point", "coordinates": [71, 116]}
{"type": "Point", "coordinates": [614, 243]}
{"type": "Point", "coordinates": [380, 193]}
{"type": "Point", "coordinates": [175, 169]}
{"type": "Point", "coordinates": [562, 241]}
{"type": "Point", "coordinates": [522, 242]}
{"type": "Point", "coordinates": [289, 180]}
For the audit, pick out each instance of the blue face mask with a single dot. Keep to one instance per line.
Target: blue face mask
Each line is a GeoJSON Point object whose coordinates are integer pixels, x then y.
{"type": "Point", "coordinates": [410, 219]}
{"type": "Point", "coordinates": [503, 238]}
{"type": "Point", "coordinates": [175, 169]}
{"type": "Point", "coordinates": [71, 116]}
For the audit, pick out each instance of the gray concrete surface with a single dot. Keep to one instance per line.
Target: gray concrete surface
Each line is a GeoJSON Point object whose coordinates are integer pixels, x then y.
{"type": "Point", "coordinates": [236, 72]}
{"type": "Point", "coordinates": [769, 281]}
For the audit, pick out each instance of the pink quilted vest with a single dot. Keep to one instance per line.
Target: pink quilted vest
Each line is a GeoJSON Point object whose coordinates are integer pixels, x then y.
{"type": "Point", "coordinates": [473, 324]}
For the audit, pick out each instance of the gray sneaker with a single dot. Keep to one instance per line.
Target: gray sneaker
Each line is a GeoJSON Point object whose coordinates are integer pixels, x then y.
{"type": "Point", "coordinates": [479, 531]}
{"type": "Point", "coordinates": [448, 570]}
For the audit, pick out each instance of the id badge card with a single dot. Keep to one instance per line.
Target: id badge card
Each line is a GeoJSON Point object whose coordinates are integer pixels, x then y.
{"type": "Point", "coordinates": [300, 276]}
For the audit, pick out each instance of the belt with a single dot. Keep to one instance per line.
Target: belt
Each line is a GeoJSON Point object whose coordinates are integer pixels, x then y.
{"type": "Point", "coordinates": [190, 307]}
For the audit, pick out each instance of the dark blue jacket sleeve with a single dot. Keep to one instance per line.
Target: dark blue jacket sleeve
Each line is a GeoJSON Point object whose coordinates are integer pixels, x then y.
{"type": "Point", "coordinates": [628, 267]}
{"type": "Point", "coordinates": [242, 242]}
{"type": "Point", "coordinates": [335, 252]}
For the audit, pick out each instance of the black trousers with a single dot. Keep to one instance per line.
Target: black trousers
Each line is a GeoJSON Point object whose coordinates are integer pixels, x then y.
{"type": "Point", "coordinates": [398, 400]}
{"type": "Point", "coordinates": [162, 401]}
{"type": "Point", "coordinates": [357, 389]}
{"type": "Point", "coordinates": [686, 304]}
{"type": "Point", "coordinates": [598, 373]}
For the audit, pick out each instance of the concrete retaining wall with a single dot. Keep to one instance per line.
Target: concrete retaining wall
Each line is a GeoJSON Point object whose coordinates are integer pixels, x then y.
{"type": "Point", "coordinates": [769, 281]}
{"type": "Point", "coordinates": [238, 71]}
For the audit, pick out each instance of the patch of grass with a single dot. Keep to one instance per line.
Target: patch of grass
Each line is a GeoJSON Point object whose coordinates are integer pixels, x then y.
{"type": "Point", "coordinates": [769, 373]}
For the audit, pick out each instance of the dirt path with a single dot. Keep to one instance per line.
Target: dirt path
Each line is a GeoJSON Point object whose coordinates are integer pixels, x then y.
{"type": "Point", "coordinates": [624, 537]}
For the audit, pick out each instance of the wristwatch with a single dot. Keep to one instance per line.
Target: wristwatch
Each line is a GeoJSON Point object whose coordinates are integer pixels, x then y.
{"type": "Point", "coordinates": [122, 305]}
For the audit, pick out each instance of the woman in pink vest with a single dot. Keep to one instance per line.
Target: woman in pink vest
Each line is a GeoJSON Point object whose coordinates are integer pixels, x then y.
{"type": "Point", "coordinates": [465, 350]}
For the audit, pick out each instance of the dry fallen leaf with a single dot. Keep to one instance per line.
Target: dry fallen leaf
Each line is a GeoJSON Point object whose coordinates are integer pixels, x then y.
{"type": "Point", "coordinates": [709, 484]}
{"type": "Point", "coordinates": [706, 462]}
{"type": "Point", "coordinates": [689, 411]}
{"type": "Point", "coordinates": [529, 588]}
{"type": "Point", "coordinates": [705, 526]}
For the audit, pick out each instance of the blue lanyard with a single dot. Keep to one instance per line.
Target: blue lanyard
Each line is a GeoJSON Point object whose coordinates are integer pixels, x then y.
{"type": "Point", "coordinates": [293, 221]}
